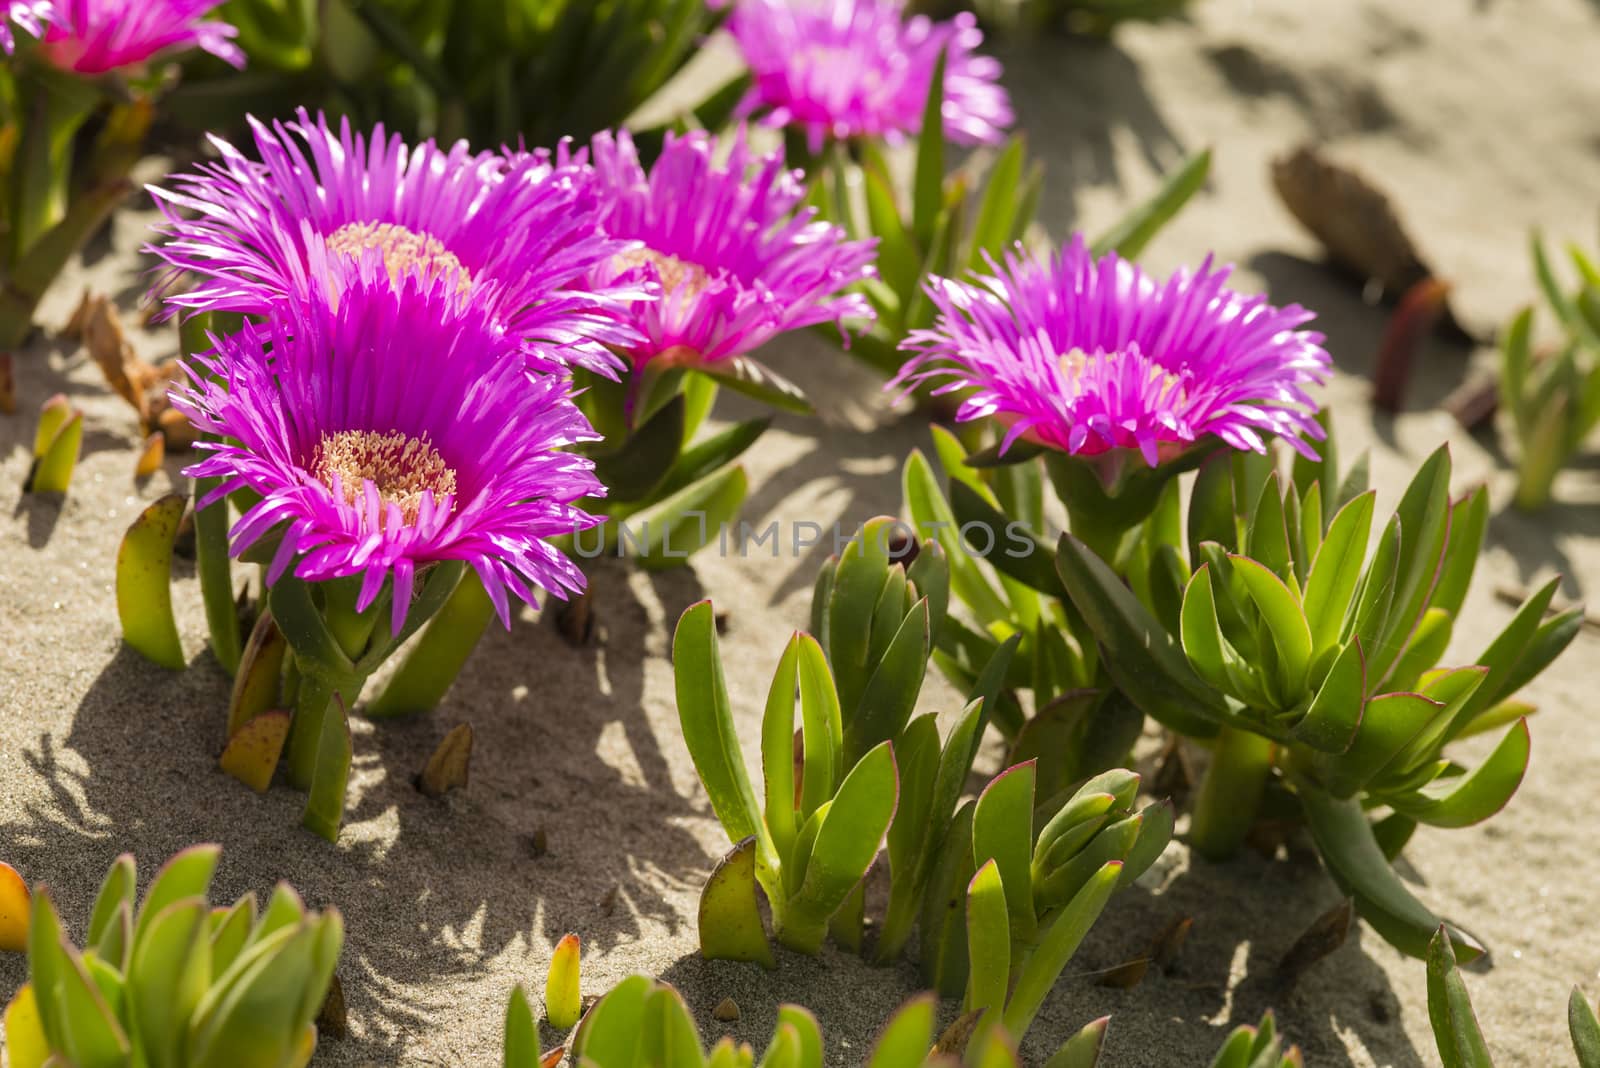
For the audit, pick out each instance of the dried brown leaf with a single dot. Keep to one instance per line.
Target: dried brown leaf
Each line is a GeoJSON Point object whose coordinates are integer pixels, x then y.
{"type": "Point", "coordinates": [151, 457]}
{"type": "Point", "coordinates": [449, 766]}
{"type": "Point", "coordinates": [1325, 935]}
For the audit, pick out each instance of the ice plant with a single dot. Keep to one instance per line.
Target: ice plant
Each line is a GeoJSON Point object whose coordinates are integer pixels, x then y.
{"type": "Point", "coordinates": [1553, 398]}
{"type": "Point", "coordinates": [97, 36]}
{"type": "Point", "coordinates": [94, 58]}
{"type": "Point", "coordinates": [29, 16]}
{"type": "Point", "coordinates": [514, 238]}
{"type": "Point", "coordinates": [1305, 648]}
{"type": "Point", "coordinates": [642, 1013]}
{"type": "Point", "coordinates": [170, 980]}
{"type": "Point", "coordinates": [378, 442]}
{"type": "Point", "coordinates": [851, 70]}
{"type": "Point", "coordinates": [1257, 1046]}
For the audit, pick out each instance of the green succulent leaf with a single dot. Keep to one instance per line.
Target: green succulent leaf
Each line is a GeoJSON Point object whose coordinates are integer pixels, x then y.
{"type": "Point", "coordinates": [1336, 571]}
{"type": "Point", "coordinates": [1585, 1030]}
{"type": "Point", "coordinates": [1002, 831]}
{"type": "Point", "coordinates": [676, 528]}
{"type": "Point", "coordinates": [1345, 839]}
{"type": "Point", "coordinates": [808, 1034]}
{"type": "Point", "coordinates": [1011, 549]}
{"type": "Point", "coordinates": [116, 892]}
{"type": "Point", "coordinates": [521, 1033]}
{"type": "Point", "coordinates": [144, 583]}
{"type": "Point", "coordinates": [989, 938]}
{"type": "Point", "coordinates": [933, 518]}
{"type": "Point", "coordinates": [999, 213]}
{"type": "Point", "coordinates": [906, 1038]}
{"type": "Point", "coordinates": [729, 917]}
{"type": "Point", "coordinates": [1424, 514]}
{"type": "Point", "coordinates": [609, 1033]}
{"type": "Point", "coordinates": [1083, 1049]}
{"type": "Point", "coordinates": [167, 978]}
{"type": "Point", "coordinates": [928, 181]}
{"type": "Point", "coordinates": [1455, 1025]}
{"type": "Point", "coordinates": [634, 469]}
{"type": "Point", "coordinates": [1146, 663]}
{"type": "Point", "coordinates": [707, 721]}
{"type": "Point", "coordinates": [1469, 521]}
{"type": "Point", "coordinates": [1059, 940]}
{"type": "Point", "coordinates": [847, 841]}
{"type": "Point", "coordinates": [1334, 716]}
{"type": "Point", "coordinates": [1476, 796]}
{"type": "Point", "coordinates": [1280, 608]}
{"type": "Point", "coordinates": [668, 1035]}
{"type": "Point", "coordinates": [1135, 230]}
{"type": "Point", "coordinates": [891, 692]}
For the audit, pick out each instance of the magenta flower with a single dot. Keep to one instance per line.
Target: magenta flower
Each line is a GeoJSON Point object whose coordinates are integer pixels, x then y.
{"type": "Point", "coordinates": [513, 237]}
{"type": "Point", "coordinates": [844, 69]}
{"type": "Point", "coordinates": [1087, 355]}
{"type": "Point", "coordinates": [386, 431]}
{"type": "Point", "coordinates": [737, 260]}
{"type": "Point", "coordinates": [96, 36]}
{"type": "Point", "coordinates": [31, 16]}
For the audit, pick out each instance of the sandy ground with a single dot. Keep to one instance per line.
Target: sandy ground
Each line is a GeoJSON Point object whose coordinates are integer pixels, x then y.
{"type": "Point", "coordinates": [1479, 117]}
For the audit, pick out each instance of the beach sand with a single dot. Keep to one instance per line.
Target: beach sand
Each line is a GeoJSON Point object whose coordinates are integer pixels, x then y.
{"type": "Point", "coordinates": [1479, 118]}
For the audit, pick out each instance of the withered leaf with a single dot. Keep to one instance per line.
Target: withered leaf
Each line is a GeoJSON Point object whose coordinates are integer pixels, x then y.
{"type": "Point", "coordinates": [450, 763]}
{"type": "Point", "coordinates": [1325, 935]}
{"type": "Point", "coordinates": [252, 753]}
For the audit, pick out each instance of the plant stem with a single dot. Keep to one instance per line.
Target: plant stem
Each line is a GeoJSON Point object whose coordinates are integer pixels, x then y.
{"type": "Point", "coordinates": [1230, 794]}
{"type": "Point", "coordinates": [216, 574]}
{"type": "Point", "coordinates": [312, 702]}
{"type": "Point", "coordinates": [440, 652]}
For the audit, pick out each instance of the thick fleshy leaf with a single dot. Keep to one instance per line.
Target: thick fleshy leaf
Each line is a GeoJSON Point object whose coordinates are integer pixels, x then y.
{"type": "Point", "coordinates": [167, 977]}
{"type": "Point", "coordinates": [1473, 798]}
{"type": "Point", "coordinates": [1135, 229]}
{"type": "Point", "coordinates": [640, 464]}
{"type": "Point", "coordinates": [1455, 1025]}
{"type": "Point", "coordinates": [930, 575]}
{"type": "Point", "coordinates": [675, 529]}
{"type": "Point", "coordinates": [669, 1035]}
{"type": "Point", "coordinates": [521, 1033]}
{"type": "Point", "coordinates": [1280, 608]}
{"type": "Point", "coordinates": [857, 585]}
{"type": "Point", "coordinates": [1267, 541]}
{"type": "Point", "coordinates": [1469, 521]}
{"type": "Point", "coordinates": [1424, 514]}
{"type": "Point", "coordinates": [1585, 1030]}
{"type": "Point", "coordinates": [891, 692]}
{"type": "Point", "coordinates": [563, 991]}
{"type": "Point", "coordinates": [707, 721]}
{"type": "Point", "coordinates": [26, 1045]}
{"type": "Point", "coordinates": [759, 382]}
{"type": "Point", "coordinates": [144, 583]}
{"type": "Point", "coordinates": [906, 1038]}
{"type": "Point", "coordinates": [253, 751]}
{"type": "Point", "coordinates": [1344, 837]}
{"type": "Point", "coordinates": [928, 180]}
{"type": "Point", "coordinates": [609, 1033]}
{"type": "Point", "coordinates": [1083, 1049]}
{"type": "Point", "coordinates": [1059, 940]}
{"type": "Point", "coordinates": [931, 515]}
{"type": "Point", "coordinates": [807, 1032]}
{"type": "Point", "coordinates": [1428, 643]}
{"type": "Point", "coordinates": [1336, 571]}
{"type": "Point", "coordinates": [1388, 724]}
{"type": "Point", "coordinates": [117, 889]}
{"type": "Point", "coordinates": [1002, 831]}
{"type": "Point", "coordinates": [187, 875]}
{"type": "Point", "coordinates": [847, 842]}
{"type": "Point", "coordinates": [1203, 642]}
{"type": "Point", "coordinates": [823, 728]}
{"type": "Point", "coordinates": [1332, 721]}
{"type": "Point", "coordinates": [943, 923]}
{"type": "Point", "coordinates": [713, 454]}
{"type": "Point", "coordinates": [1009, 547]}
{"type": "Point", "coordinates": [999, 209]}
{"type": "Point", "coordinates": [260, 672]}
{"type": "Point", "coordinates": [916, 752]}
{"type": "Point", "coordinates": [730, 918]}
{"type": "Point", "coordinates": [777, 751]}
{"type": "Point", "coordinates": [989, 937]}
{"type": "Point", "coordinates": [1145, 661]}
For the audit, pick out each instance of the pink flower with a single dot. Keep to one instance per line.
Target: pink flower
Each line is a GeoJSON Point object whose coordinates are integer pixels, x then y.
{"type": "Point", "coordinates": [95, 36]}
{"type": "Point", "coordinates": [1087, 355]}
{"type": "Point", "coordinates": [30, 16]}
{"type": "Point", "coordinates": [846, 69]}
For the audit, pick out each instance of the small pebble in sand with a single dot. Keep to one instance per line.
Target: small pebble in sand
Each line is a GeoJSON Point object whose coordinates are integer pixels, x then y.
{"type": "Point", "coordinates": [727, 1010]}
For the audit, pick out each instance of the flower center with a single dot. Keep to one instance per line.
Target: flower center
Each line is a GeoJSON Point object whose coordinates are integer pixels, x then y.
{"type": "Point", "coordinates": [676, 276]}
{"type": "Point", "coordinates": [402, 468]}
{"type": "Point", "coordinates": [404, 251]}
{"type": "Point", "coordinates": [1075, 363]}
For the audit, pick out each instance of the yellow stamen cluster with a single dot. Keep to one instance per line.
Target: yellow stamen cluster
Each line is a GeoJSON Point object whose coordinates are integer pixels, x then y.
{"type": "Point", "coordinates": [400, 466]}
{"type": "Point", "coordinates": [677, 276]}
{"type": "Point", "coordinates": [404, 251]}
{"type": "Point", "coordinates": [1074, 363]}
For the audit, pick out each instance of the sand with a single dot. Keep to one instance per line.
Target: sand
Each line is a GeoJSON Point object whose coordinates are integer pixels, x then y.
{"type": "Point", "coordinates": [1479, 118]}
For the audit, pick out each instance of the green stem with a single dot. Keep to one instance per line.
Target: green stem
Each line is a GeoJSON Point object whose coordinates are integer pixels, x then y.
{"type": "Point", "coordinates": [216, 574]}
{"type": "Point", "coordinates": [440, 652]}
{"type": "Point", "coordinates": [324, 810]}
{"type": "Point", "coordinates": [1230, 794]}
{"type": "Point", "coordinates": [312, 703]}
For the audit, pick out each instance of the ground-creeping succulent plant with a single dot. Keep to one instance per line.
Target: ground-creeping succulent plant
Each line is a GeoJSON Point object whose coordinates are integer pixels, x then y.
{"type": "Point", "coordinates": [645, 1022]}
{"type": "Point", "coordinates": [169, 980]}
{"type": "Point", "coordinates": [57, 440]}
{"type": "Point", "coordinates": [1455, 1024]}
{"type": "Point", "coordinates": [1305, 648]}
{"type": "Point", "coordinates": [864, 772]}
{"type": "Point", "coordinates": [1258, 1046]}
{"type": "Point", "coordinates": [1553, 397]}
{"type": "Point", "coordinates": [1029, 905]}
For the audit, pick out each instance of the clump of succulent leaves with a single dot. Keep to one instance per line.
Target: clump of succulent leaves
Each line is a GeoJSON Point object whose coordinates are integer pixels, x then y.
{"type": "Point", "coordinates": [1455, 1024]}
{"type": "Point", "coordinates": [953, 221]}
{"type": "Point", "coordinates": [1304, 646]}
{"type": "Point", "coordinates": [993, 517]}
{"type": "Point", "coordinates": [1257, 1046]}
{"type": "Point", "coordinates": [172, 981]}
{"type": "Point", "coordinates": [864, 772]}
{"type": "Point", "coordinates": [645, 1022]}
{"type": "Point", "coordinates": [1553, 396]}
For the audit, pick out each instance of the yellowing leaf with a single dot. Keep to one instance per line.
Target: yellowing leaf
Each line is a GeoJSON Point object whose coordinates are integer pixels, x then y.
{"type": "Point", "coordinates": [14, 902]}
